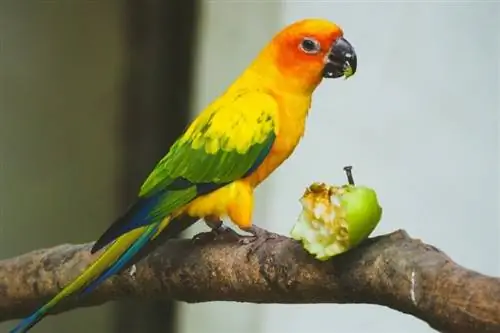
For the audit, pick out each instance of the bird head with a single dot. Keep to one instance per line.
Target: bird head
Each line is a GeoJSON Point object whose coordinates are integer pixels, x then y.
{"type": "Point", "coordinates": [305, 52]}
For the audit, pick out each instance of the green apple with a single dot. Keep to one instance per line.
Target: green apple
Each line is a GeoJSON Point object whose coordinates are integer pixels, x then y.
{"type": "Point", "coordinates": [335, 219]}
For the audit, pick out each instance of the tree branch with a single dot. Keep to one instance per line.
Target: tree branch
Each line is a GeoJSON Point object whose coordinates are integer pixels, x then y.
{"type": "Point", "coordinates": [392, 270]}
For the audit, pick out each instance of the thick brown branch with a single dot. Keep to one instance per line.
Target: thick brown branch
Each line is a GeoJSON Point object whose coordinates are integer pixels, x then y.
{"type": "Point", "coordinates": [392, 270]}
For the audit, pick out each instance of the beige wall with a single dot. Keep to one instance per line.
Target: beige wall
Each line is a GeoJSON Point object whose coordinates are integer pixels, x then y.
{"type": "Point", "coordinates": [60, 66]}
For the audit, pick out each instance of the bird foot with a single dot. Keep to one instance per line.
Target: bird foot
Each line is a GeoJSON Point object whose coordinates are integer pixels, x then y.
{"type": "Point", "coordinates": [221, 232]}
{"type": "Point", "coordinates": [133, 271]}
{"type": "Point", "coordinates": [257, 233]}
{"type": "Point", "coordinates": [258, 238]}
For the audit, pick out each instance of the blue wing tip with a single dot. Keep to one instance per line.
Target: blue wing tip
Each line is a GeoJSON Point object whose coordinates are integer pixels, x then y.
{"type": "Point", "coordinates": [123, 259]}
{"type": "Point", "coordinates": [136, 216]}
{"type": "Point", "coordinates": [28, 322]}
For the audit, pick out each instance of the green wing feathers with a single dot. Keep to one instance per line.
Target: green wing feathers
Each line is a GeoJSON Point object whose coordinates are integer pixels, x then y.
{"type": "Point", "coordinates": [223, 144]}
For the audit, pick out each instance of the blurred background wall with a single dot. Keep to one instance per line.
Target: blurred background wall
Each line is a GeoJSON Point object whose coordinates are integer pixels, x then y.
{"type": "Point", "coordinates": [61, 75]}
{"type": "Point", "coordinates": [83, 87]}
{"type": "Point", "coordinates": [92, 95]}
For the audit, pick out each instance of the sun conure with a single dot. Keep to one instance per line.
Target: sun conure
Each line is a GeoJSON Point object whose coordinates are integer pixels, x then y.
{"type": "Point", "coordinates": [233, 145]}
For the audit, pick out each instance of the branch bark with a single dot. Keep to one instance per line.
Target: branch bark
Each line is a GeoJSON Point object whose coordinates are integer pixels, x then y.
{"type": "Point", "coordinates": [393, 270]}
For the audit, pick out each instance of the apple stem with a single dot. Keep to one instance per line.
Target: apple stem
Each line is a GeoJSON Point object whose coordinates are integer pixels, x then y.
{"type": "Point", "coordinates": [348, 172]}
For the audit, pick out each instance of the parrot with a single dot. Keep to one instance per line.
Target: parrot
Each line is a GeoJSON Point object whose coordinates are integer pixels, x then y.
{"type": "Point", "coordinates": [211, 171]}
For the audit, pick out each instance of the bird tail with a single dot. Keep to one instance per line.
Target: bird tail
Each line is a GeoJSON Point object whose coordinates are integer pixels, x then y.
{"type": "Point", "coordinates": [111, 261]}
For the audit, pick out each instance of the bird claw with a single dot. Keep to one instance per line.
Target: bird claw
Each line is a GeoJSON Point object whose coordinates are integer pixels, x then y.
{"type": "Point", "coordinates": [258, 238]}
{"type": "Point", "coordinates": [203, 237]}
{"type": "Point", "coordinates": [217, 233]}
{"type": "Point", "coordinates": [133, 272]}
{"type": "Point", "coordinates": [257, 233]}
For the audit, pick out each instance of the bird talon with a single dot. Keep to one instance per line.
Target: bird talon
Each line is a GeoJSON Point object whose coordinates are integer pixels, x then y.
{"type": "Point", "coordinates": [256, 243]}
{"type": "Point", "coordinates": [258, 238]}
{"type": "Point", "coordinates": [133, 272]}
{"type": "Point", "coordinates": [259, 232]}
{"type": "Point", "coordinates": [227, 233]}
{"type": "Point", "coordinates": [203, 238]}
{"type": "Point", "coordinates": [222, 232]}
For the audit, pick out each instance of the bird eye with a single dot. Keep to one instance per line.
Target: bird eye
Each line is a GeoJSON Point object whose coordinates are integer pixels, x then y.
{"type": "Point", "coordinates": [310, 45]}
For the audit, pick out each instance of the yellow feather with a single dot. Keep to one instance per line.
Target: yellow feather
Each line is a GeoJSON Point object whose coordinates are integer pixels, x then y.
{"type": "Point", "coordinates": [108, 257]}
{"type": "Point", "coordinates": [105, 260]}
{"type": "Point", "coordinates": [233, 117]}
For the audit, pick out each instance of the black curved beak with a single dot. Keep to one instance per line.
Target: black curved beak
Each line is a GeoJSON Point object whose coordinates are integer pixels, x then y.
{"type": "Point", "coordinates": [341, 60]}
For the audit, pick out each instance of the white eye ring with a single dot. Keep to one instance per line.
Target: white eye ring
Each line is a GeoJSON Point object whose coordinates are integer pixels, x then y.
{"type": "Point", "coordinates": [310, 45]}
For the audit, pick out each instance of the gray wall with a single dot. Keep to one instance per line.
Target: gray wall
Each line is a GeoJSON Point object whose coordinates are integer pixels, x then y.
{"type": "Point", "coordinates": [419, 122]}
{"type": "Point", "coordinates": [60, 86]}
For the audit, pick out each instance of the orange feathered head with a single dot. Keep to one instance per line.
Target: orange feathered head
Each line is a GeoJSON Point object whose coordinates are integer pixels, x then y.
{"type": "Point", "coordinates": [309, 50]}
